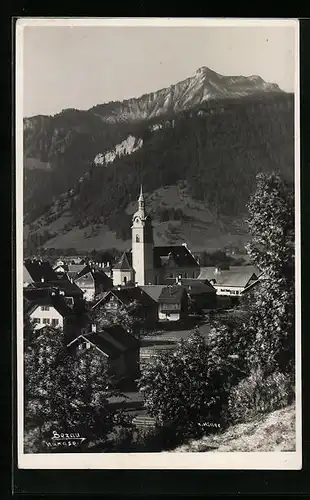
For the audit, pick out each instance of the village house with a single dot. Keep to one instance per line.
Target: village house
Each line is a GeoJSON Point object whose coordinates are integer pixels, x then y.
{"type": "Point", "coordinates": [138, 303]}
{"type": "Point", "coordinates": [68, 271]}
{"type": "Point", "coordinates": [118, 348]}
{"type": "Point", "coordinates": [173, 303]}
{"type": "Point", "coordinates": [103, 265]}
{"type": "Point", "coordinates": [93, 282]}
{"type": "Point", "coordinates": [56, 307]}
{"type": "Point", "coordinates": [71, 293]}
{"type": "Point", "coordinates": [201, 294]}
{"type": "Point", "coordinates": [231, 282]}
{"type": "Point", "coordinates": [49, 310]}
{"type": "Point", "coordinates": [37, 271]}
{"type": "Point", "coordinates": [146, 264]}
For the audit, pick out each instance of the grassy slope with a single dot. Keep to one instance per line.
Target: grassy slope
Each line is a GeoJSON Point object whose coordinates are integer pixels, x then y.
{"type": "Point", "coordinates": [202, 231]}
{"type": "Point", "coordinates": [272, 432]}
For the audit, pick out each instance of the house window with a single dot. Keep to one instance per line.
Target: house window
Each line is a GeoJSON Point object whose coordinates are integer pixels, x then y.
{"type": "Point", "coordinates": [170, 307]}
{"type": "Point", "coordinates": [36, 320]}
{"type": "Point", "coordinates": [45, 308]}
{"type": "Point", "coordinates": [84, 345]}
{"type": "Point", "coordinates": [46, 321]}
{"type": "Point", "coordinates": [55, 322]}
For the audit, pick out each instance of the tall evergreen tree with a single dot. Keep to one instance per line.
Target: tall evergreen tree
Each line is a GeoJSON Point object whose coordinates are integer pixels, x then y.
{"type": "Point", "coordinates": [270, 327]}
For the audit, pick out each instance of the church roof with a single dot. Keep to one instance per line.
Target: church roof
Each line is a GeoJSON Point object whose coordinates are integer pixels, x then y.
{"type": "Point", "coordinates": [178, 254]}
{"type": "Point", "coordinates": [125, 262]}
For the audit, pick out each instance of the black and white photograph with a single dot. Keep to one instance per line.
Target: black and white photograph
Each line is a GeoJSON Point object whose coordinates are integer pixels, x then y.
{"type": "Point", "coordinates": [158, 243]}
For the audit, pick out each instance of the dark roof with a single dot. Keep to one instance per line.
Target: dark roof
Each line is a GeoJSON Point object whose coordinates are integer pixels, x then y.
{"type": "Point", "coordinates": [238, 276]}
{"type": "Point", "coordinates": [127, 295]}
{"type": "Point", "coordinates": [99, 276]}
{"type": "Point", "coordinates": [32, 294]}
{"type": "Point", "coordinates": [153, 291]}
{"type": "Point", "coordinates": [75, 270]}
{"type": "Point", "coordinates": [194, 286]}
{"type": "Point", "coordinates": [104, 345]}
{"type": "Point", "coordinates": [125, 262]}
{"type": "Point", "coordinates": [179, 255]}
{"type": "Point", "coordinates": [171, 294]}
{"type": "Point", "coordinates": [39, 269]}
{"type": "Point", "coordinates": [64, 285]}
{"type": "Point", "coordinates": [55, 302]}
{"type": "Point", "coordinates": [119, 336]}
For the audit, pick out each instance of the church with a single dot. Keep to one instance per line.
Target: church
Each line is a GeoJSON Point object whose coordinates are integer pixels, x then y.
{"type": "Point", "coordinates": [147, 264]}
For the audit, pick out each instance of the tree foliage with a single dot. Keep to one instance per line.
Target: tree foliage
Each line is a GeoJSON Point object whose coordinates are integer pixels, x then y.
{"type": "Point", "coordinates": [126, 316]}
{"type": "Point", "coordinates": [190, 385]}
{"type": "Point", "coordinates": [65, 392]}
{"type": "Point", "coordinates": [270, 327]}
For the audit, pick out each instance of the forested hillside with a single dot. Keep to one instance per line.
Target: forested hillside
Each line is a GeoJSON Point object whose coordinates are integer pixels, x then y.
{"type": "Point", "coordinates": [217, 148]}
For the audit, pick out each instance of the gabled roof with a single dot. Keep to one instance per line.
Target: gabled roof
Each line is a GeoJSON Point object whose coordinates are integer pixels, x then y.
{"type": "Point", "coordinates": [120, 337]}
{"type": "Point", "coordinates": [180, 255]}
{"type": "Point", "coordinates": [33, 294]}
{"type": "Point", "coordinates": [194, 286]}
{"type": "Point", "coordinates": [238, 276]}
{"type": "Point", "coordinates": [64, 285]}
{"type": "Point", "coordinates": [55, 302]}
{"type": "Point", "coordinates": [126, 295]}
{"type": "Point", "coordinates": [98, 341]}
{"type": "Point", "coordinates": [78, 270]}
{"type": "Point", "coordinates": [171, 294]}
{"type": "Point", "coordinates": [99, 276]}
{"type": "Point", "coordinates": [38, 269]}
{"type": "Point", "coordinates": [125, 262]}
{"type": "Point", "coordinates": [153, 291]}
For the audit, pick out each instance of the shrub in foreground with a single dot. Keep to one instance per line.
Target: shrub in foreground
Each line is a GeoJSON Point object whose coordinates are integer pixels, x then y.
{"type": "Point", "coordinates": [257, 395]}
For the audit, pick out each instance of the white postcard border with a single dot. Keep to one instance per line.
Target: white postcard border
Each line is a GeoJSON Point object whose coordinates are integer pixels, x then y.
{"type": "Point", "coordinates": [163, 460]}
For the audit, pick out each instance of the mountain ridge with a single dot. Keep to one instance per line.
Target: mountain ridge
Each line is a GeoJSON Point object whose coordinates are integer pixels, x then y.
{"type": "Point", "coordinates": [200, 76]}
{"type": "Point", "coordinates": [204, 85]}
{"type": "Point", "coordinates": [89, 168]}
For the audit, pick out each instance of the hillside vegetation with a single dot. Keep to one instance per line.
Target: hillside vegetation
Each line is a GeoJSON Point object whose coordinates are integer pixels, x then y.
{"type": "Point", "coordinates": [275, 431]}
{"type": "Point", "coordinates": [215, 147]}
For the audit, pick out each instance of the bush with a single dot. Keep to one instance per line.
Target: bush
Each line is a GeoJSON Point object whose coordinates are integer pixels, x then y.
{"type": "Point", "coordinates": [256, 395]}
{"type": "Point", "coordinates": [121, 439]}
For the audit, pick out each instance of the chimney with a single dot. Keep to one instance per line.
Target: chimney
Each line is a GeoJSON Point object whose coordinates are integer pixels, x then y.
{"type": "Point", "coordinates": [94, 328]}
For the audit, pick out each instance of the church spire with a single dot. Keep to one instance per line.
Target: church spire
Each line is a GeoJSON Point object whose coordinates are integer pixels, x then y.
{"type": "Point", "coordinates": [141, 199]}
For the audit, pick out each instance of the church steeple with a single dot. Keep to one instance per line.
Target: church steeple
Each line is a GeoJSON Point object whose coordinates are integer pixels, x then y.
{"type": "Point", "coordinates": [141, 200]}
{"type": "Point", "coordinates": [142, 243]}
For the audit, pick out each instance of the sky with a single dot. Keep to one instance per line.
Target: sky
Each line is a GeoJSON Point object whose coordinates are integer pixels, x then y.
{"type": "Point", "coordinates": [79, 67]}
